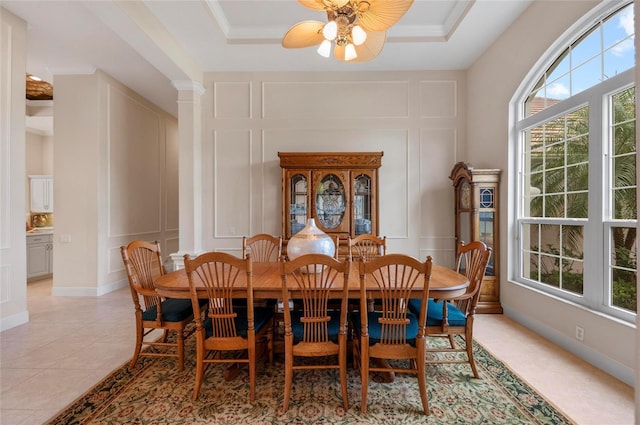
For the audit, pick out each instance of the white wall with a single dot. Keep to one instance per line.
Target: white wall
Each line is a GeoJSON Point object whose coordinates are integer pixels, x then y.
{"type": "Point", "coordinates": [114, 154]}
{"type": "Point", "coordinates": [492, 82]}
{"type": "Point", "coordinates": [13, 274]}
{"type": "Point", "coordinates": [416, 118]}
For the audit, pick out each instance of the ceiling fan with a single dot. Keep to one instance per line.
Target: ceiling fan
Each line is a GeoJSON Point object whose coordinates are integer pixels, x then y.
{"type": "Point", "coordinates": [357, 27]}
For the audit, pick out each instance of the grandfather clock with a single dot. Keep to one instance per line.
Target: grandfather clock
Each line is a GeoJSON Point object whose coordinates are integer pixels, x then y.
{"type": "Point", "coordinates": [477, 218]}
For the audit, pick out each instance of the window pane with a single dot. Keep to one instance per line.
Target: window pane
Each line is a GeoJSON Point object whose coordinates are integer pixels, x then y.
{"type": "Point", "coordinates": [586, 76]}
{"type": "Point", "coordinates": [624, 268]}
{"type": "Point", "coordinates": [619, 58]}
{"type": "Point", "coordinates": [572, 276]}
{"type": "Point", "coordinates": [586, 47]}
{"type": "Point", "coordinates": [624, 204]}
{"type": "Point", "coordinates": [550, 270]}
{"type": "Point", "coordinates": [618, 27]}
{"type": "Point", "coordinates": [578, 177]}
{"type": "Point", "coordinates": [554, 206]}
{"type": "Point", "coordinates": [573, 242]}
{"type": "Point", "coordinates": [577, 205]}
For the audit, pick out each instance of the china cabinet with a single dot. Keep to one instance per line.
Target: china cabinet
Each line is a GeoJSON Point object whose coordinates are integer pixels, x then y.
{"type": "Point", "coordinates": [477, 218]}
{"type": "Point", "coordinates": [337, 189]}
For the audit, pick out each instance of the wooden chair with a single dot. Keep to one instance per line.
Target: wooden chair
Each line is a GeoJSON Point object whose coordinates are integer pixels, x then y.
{"type": "Point", "coordinates": [367, 247]}
{"type": "Point", "coordinates": [143, 263]}
{"type": "Point", "coordinates": [225, 327]}
{"type": "Point", "coordinates": [315, 330]}
{"type": "Point", "coordinates": [264, 248]}
{"type": "Point", "coordinates": [454, 316]}
{"type": "Point", "coordinates": [393, 333]}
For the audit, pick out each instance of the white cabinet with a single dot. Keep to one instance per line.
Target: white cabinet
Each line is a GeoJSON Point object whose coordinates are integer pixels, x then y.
{"type": "Point", "coordinates": [39, 255]}
{"type": "Point", "coordinates": [41, 188]}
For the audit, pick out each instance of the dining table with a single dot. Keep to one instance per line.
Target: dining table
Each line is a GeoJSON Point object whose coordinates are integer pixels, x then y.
{"type": "Point", "coordinates": [267, 283]}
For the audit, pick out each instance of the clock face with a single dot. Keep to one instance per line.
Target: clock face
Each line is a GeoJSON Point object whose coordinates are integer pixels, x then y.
{"type": "Point", "coordinates": [465, 195]}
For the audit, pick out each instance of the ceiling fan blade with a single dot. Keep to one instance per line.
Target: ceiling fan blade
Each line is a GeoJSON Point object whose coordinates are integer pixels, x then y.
{"type": "Point", "coordinates": [303, 34]}
{"type": "Point", "coordinates": [381, 14]}
{"type": "Point", "coordinates": [321, 4]}
{"type": "Point", "coordinates": [368, 50]}
{"type": "Point", "coordinates": [371, 47]}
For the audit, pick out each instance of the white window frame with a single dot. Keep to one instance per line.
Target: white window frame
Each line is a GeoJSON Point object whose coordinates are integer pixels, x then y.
{"type": "Point", "coordinates": [596, 228]}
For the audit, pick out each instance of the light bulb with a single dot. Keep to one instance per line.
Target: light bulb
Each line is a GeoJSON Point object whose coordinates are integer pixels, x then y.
{"type": "Point", "coordinates": [330, 31]}
{"type": "Point", "coordinates": [325, 49]}
{"type": "Point", "coordinates": [358, 35]}
{"type": "Point", "coordinates": [350, 52]}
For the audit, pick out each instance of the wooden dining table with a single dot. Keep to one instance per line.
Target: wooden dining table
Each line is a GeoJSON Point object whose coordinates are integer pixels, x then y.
{"type": "Point", "coordinates": [267, 283]}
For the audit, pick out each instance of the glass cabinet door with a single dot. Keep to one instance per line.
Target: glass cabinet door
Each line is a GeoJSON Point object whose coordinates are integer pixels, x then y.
{"type": "Point", "coordinates": [330, 201]}
{"type": "Point", "coordinates": [298, 201]}
{"type": "Point", "coordinates": [362, 204]}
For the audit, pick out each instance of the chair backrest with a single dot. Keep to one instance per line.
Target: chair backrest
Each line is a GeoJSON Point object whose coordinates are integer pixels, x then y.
{"type": "Point", "coordinates": [264, 248]}
{"type": "Point", "coordinates": [367, 247]}
{"type": "Point", "coordinates": [472, 260]}
{"type": "Point", "coordinates": [315, 278]}
{"type": "Point", "coordinates": [223, 276]}
{"type": "Point", "coordinates": [143, 263]}
{"type": "Point", "coordinates": [395, 276]}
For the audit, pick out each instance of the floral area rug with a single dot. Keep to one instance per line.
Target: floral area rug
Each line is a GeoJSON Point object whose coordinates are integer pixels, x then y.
{"type": "Point", "coordinates": [157, 393]}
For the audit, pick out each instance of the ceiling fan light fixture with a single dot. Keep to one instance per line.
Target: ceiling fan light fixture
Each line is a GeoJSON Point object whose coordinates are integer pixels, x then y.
{"type": "Point", "coordinates": [325, 49]}
{"type": "Point", "coordinates": [330, 31]}
{"type": "Point", "coordinates": [350, 52]}
{"type": "Point", "coordinates": [358, 35]}
{"type": "Point", "coordinates": [358, 28]}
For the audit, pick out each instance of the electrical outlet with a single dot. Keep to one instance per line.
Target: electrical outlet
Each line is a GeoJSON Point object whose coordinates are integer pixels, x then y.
{"type": "Point", "coordinates": [579, 333]}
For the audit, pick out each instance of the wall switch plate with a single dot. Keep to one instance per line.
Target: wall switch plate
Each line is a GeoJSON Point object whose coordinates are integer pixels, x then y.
{"type": "Point", "coordinates": [65, 238]}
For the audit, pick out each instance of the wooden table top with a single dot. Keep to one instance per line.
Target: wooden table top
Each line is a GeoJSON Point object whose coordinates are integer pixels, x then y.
{"type": "Point", "coordinates": [267, 282]}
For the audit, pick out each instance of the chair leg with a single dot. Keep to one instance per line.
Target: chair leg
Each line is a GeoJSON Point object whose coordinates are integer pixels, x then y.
{"type": "Point", "coordinates": [422, 379]}
{"type": "Point", "coordinates": [252, 372]}
{"type": "Point", "coordinates": [343, 371]}
{"type": "Point", "coordinates": [199, 364]}
{"type": "Point", "coordinates": [288, 372]}
{"type": "Point", "coordinates": [138, 346]}
{"type": "Point", "coordinates": [270, 343]}
{"type": "Point", "coordinates": [452, 341]}
{"type": "Point", "coordinates": [180, 343]}
{"type": "Point", "coordinates": [364, 374]}
{"type": "Point", "coordinates": [468, 341]}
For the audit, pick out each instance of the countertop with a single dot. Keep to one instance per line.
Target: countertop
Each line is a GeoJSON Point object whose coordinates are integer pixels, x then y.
{"type": "Point", "coordinates": [40, 231]}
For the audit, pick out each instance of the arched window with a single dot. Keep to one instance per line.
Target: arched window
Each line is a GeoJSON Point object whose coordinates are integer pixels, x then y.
{"type": "Point", "coordinates": [576, 161]}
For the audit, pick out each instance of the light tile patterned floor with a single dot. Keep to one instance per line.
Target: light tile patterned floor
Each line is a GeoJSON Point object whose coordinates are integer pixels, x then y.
{"type": "Point", "coordinates": [70, 343]}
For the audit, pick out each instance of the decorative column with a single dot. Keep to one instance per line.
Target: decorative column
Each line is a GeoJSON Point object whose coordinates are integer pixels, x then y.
{"type": "Point", "coordinates": [189, 170]}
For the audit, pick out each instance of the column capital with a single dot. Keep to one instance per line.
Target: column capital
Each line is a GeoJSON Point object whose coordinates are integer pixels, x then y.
{"type": "Point", "coordinates": [189, 85]}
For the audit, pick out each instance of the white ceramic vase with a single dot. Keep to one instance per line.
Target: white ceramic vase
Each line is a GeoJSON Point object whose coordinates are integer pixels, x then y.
{"type": "Point", "coordinates": [310, 240]}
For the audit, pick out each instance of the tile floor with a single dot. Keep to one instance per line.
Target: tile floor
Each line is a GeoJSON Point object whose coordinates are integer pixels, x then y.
{"type": "Point", "coordinates": [70, 343]}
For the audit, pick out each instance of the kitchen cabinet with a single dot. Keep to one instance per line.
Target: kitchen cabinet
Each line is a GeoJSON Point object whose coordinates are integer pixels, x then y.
{"type": "Point", "coordinates": [337, 189]}
{"type": "Point", "coordinates": [477, 218]}
{"type": "Point", "coordinates": [41, 189]}
{"type": "Point", "coordinates": [39, 255]}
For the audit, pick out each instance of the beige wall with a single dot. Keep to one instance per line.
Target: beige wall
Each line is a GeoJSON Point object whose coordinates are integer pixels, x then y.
{"type": "Point", "coordinates": [111, 169]}
{"type": "Point", "coordinates": [416, 118]}
{"type": "Point", "coordinates": [492, 83]}
{"type": "Point", "coordinates": [13, 294]}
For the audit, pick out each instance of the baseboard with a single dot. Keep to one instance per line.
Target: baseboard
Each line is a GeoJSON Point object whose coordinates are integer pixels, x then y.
{"type": "Point", "coordinates": [14, 320]}
{"type": "Point", "coordinates": [80, 291]}
{"type": "Point", "coordinates": [597, 359]}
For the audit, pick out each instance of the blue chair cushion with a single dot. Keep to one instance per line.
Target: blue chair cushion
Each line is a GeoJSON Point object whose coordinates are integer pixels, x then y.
{"type": "Point", "coordinates": [173, 310]}
{"type": "Point", "coordinates": [261, 316]}
{"type": "Point", "coordinates": [297, 327]}
{"type": "Point", "coordinates": [454, 316]}
{"type": "Point", "coordinates": [375, 328]}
